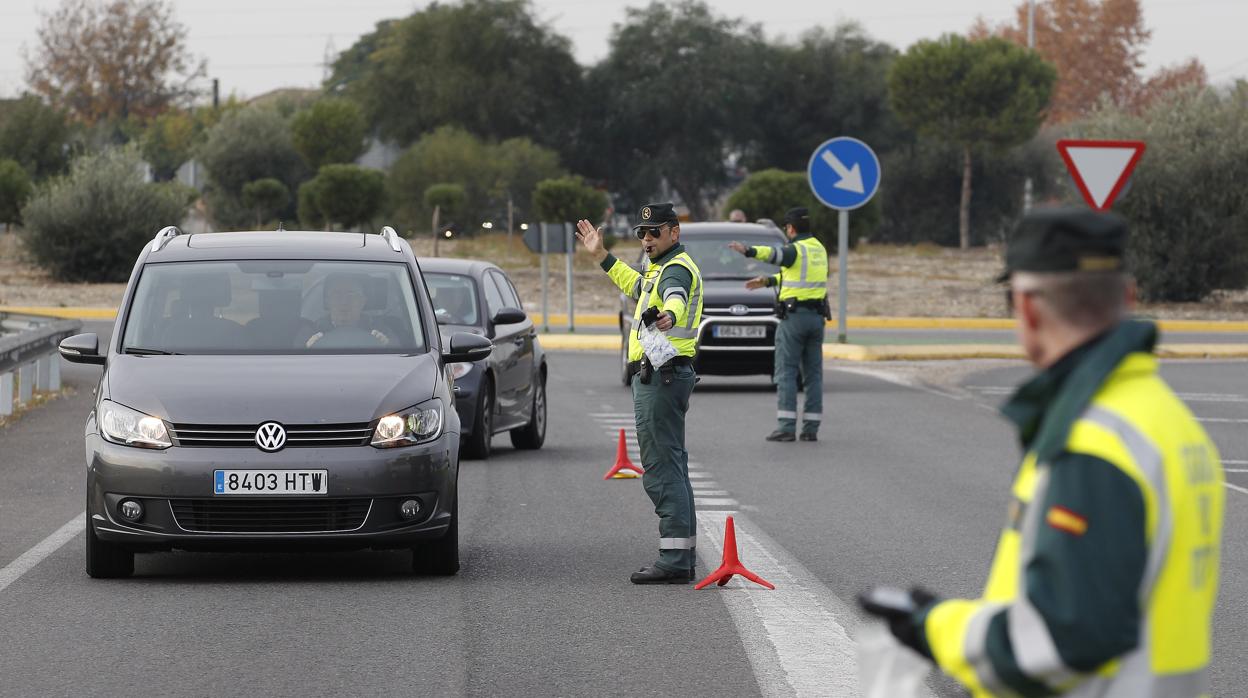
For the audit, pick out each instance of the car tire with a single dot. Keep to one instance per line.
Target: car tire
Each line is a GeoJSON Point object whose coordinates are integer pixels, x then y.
{"type": "Point", "coordinates": [624, 377]}
{"type": "Point", "coordinates": [440, 557]}
{"type": "Point", "coordinates": [105, 560]}
{"type": "Point", "coordinates": [478, 444]}
{"type": "Point", "coordinates": [531, 436]}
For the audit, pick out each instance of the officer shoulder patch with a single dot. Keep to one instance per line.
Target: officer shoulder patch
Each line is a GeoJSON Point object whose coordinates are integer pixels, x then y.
{"type": "Point", "coordinates": [1064, 519]}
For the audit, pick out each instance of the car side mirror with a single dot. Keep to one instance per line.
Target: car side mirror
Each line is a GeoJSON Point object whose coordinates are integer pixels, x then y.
{"type": "Point", "coordinates": [82, 349]}
{"type": "Point", "coordinates": [509, 316]}
{"type": "Point", "coordinates": [467, 347]}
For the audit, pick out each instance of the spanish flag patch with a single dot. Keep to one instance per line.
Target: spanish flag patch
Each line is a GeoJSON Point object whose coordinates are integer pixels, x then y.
{"type": "Point", "coordinates": [1064, 519]}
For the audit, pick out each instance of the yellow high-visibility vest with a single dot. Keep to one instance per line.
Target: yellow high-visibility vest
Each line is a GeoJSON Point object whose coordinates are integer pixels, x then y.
{"type": "Point", "coordinates": [644, 289]}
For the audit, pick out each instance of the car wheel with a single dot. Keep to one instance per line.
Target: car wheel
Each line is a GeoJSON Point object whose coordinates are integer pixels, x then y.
{"type": "Point", "coordinates": [104, 560]}
{"type": "Point", "coordinates": [532, 435]}
{"type": "Point", "coordinates": [624, 377]}
{"type": "Point", "coordinates": [478, 444]}
{"type": "Point", "coordinates": [440, 557]}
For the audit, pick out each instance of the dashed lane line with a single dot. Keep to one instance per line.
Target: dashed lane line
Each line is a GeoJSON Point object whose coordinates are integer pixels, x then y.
{"type": "Point", "coordinates": [715, 502]}
{"type": "Point", "coordinates": [27, 560]}
{"type": "Point", "coordinates": [1237, 488]}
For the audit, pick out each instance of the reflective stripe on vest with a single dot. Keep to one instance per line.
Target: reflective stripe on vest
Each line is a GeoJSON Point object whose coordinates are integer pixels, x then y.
{"type": "Point", "coordinates": [807, 277]}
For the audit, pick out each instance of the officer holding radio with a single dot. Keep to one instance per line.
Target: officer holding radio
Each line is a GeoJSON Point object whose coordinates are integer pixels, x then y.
{"type": "Point", "coordinates": [802, 309]}
{"type": "Point", "coordinates": [669, 300]}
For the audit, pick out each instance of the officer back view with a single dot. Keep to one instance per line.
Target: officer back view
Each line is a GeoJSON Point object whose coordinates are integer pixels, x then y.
{"type": "Point", "coordinates": [669, 299]}
{"type": "Point", "coordinates": [1106, 574]}
{"type": "Point", "coordinates": [802, 308]}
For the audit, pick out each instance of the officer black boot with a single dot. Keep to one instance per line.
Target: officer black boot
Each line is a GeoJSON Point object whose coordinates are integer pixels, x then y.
{"type": "Point", "coordinates": [809, 436]}
{"type": "Point", "coordinates": [779, 435]}
{"type": "Point", "coordinates": [657, 575]}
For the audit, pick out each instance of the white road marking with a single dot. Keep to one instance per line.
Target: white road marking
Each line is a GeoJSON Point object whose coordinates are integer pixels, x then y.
{"type": "Point", "coordinates": [1235, 462]}
{"type": "Point", "coordinates": [698, 476]}
{"type": "Point", "coordinates": [714, 501]}
{"type": "Point", "coordinates": [1237, 488]}
{"type": "Point", "coordinates": [795, 636]}
{"type": "Point", "coordinates": [1221, 420]}
{"type": "Point", "coordinates": [704, 485]}
{"type": "Point", "coordinates": [27, 560]}
{"type": "Point", "coordinates": [710, 493]}
{"type": "Point", "coordinates": [1235, 470]}
{"type": "Point", "coordinates": [1186, 397]}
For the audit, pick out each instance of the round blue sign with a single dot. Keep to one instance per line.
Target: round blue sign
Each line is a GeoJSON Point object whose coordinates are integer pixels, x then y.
{"type": "Point", "coordinates": [843, 173]}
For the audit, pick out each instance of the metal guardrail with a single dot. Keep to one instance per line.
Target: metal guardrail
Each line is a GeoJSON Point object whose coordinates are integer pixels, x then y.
{"type": "Point", "coordinates": [29, 359]}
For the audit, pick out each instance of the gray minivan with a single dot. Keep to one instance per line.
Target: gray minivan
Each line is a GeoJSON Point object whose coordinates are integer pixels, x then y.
{"type": "Point", "coordinates": [273, 389]}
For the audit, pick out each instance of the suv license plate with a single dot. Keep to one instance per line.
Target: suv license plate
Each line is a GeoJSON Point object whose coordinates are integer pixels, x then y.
{"type": "Point", "coordinates": [270, 482]}
{"type": "Point", "coordinates": [740, 331]}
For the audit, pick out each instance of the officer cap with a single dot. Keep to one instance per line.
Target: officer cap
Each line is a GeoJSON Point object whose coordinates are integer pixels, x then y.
{"type": "Point", "coordinates": [656, 215]}
{"type": "Point", "coordinates": [1066, 239]}
{"type": "Point", "coordinates": [796, 215]}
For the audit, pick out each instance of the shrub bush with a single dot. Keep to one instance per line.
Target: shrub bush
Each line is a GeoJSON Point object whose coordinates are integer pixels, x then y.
{"type": "Point", "coordinates": [349, 195]}
{"type": "Point", "coordinates": [265, 198]}
{"type": "Point", "coordinates": [90, 224]}
{"type": "Point", "coordinates": [770, 193]}
{"type": "Point", "coordinates": [566, 200]}
{"type": "Point", "coordinates": [14, 191]}
{"type": "Point", "coordinates": [246, 145]}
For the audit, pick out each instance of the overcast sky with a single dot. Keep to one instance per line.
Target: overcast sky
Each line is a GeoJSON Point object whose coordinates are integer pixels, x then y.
{"type": "Point", "coordinates": [254, 46]}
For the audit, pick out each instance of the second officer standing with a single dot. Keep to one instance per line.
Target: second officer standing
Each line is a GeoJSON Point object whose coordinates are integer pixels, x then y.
{"type": "Point", "coordinates": [669, 296]}
{"type": "Point", "coordinates": [802, 308]}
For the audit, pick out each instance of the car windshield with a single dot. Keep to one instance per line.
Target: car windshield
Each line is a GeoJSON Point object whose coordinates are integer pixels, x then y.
{"type": "Point", "coordinates": [716, 261]}
{"type": "Point", "coordinates": [454, 298]}
{"type": "Point", "coordinates": [274, 307]}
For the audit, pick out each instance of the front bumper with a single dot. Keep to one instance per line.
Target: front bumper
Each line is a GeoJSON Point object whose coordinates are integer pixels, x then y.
{"type": "Point", "coordinates": [368, 483]}
{"type": "Point", "coordinates": [736, 356]}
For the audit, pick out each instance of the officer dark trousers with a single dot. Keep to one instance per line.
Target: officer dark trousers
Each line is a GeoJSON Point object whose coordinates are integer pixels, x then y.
{"type": "Point", "coordinates": [799, 342]}
{"type": "Point", "coordinates": [660, 413]}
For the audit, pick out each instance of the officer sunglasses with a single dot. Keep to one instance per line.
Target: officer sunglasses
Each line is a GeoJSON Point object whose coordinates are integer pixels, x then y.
{"type": "Point", "coordinates": [655, 232]}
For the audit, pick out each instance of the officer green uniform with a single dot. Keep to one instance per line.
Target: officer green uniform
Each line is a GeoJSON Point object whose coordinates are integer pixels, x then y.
{"type": "Point", "coordinates": [671, 284]}
{"type": "Point", "coordinates": [803, 282]}
{"type": "Point", "coordinates": [1106, 574]}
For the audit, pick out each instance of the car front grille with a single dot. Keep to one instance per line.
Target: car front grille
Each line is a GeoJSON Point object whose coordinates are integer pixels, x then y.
{"type": "Point", "coordinates": [244, 435]}
{"type": "Point", "coordinates": [708, 338]}
{"type": "Point", "coordinates": [270, 515]}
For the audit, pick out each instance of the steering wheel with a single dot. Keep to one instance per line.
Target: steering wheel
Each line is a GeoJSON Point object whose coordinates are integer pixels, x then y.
{"type": "Point", "coordinates": [347, 338]}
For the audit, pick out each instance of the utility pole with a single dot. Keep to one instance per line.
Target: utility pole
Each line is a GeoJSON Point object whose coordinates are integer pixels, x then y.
{"type": "Point", "coordinates": [1031, 44]}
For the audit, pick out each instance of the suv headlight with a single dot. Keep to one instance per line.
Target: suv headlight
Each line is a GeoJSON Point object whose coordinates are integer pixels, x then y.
{"type": "Point", "coordinates": [122, 425]}
{"type": "Point", "coordinates": [419, 424]}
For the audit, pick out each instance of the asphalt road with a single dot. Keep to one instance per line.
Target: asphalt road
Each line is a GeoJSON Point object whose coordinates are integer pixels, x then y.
{"type": "Point", "coordinates": [908, 484]}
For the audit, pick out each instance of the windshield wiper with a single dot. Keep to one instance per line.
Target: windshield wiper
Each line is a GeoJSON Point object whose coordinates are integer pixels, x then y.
{"type": "Point", "coordinates": [139, 351]}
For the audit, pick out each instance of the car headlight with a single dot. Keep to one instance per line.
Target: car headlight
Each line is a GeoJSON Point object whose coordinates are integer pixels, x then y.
{"type": "Point", "coordinates": [417, 425]}
{"type": "Point", "coordinates": [460, 369]}
{"type": "Point", "coordinates": [122, 425]}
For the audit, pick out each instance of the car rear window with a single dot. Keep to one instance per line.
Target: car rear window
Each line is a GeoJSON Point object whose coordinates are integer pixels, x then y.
{"type": "Point", "coordinates": [274, 307]}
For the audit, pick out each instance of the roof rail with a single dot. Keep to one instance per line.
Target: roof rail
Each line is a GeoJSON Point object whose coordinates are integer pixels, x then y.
{"type": "Point", "coordinates": [388, 234]}
{"type": "Point", "coordinates": [166, 234]}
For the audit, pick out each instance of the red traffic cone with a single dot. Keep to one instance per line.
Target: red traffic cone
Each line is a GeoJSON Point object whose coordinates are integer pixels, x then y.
{"type": "Point", "coordinates": [731, 564]}
{"type": "Point", "coordinates": [623, 467]}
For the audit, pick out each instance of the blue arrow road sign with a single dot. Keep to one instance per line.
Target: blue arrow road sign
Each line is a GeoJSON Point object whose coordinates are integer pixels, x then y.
{"type": "Point", "coordinates": [843, 173]}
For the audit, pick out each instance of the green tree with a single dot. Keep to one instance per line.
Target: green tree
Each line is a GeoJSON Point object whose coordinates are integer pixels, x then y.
{"type": "Point", "coordinates": [827, 83]}
{"type": "Point", "coordinates": [36, 136]}
{"type": "Point", "coordinates": [349, 195]}
{"type": "Point", "coordinates": [1187, 210]}
{"type": "Point", "coordinates": [680, 87]}
{"type": "Point", "coordinates": [488, 172]}
{"type": "Point", "coordinates": [246, 145]}
{"type": "Point", "coordinates": [109, 60]}
{"type": "Point", "coordinates": [167, 143]}
{"type": "Point", "coordinates": [309, 212]}
{"type": "Point", "coordinates": [769, 193]}
{"type": "Point", "coordinates": [989, 92]}
{"type": "Point", "coordinates": [488, 66]}
{"type": "Point", "coordinates": [568, 199]}
{"type": "Point", "coordinates": [266, 198]}
{"type": "Point", "coordinates": [446, 201]}
{"type": "Point", "coordinates": [14, 191]}
{"type": "Point", "coordinates": [90, 224]}
{"type": "Point", "coordinates": [330, 131]}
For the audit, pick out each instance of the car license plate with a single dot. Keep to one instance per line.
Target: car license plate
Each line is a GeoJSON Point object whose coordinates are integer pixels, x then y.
{"type": "Point", "coordinates": [740, 331]}
{"type": "Point", "coordinates": [269, 482]}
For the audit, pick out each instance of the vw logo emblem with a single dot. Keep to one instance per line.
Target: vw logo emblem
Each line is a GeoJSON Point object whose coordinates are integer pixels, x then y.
{"type": "Point", "coordinates": [739, 309]}
{"type": "Point", "coordinates": [270, 437]}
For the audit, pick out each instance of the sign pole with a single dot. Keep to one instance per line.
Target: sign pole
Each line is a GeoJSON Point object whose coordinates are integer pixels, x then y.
{"type": "Point", "coordinates": [545, 306]}
{"type": "Point", "coordinates": [842, 256]}
{"type": "Point", "coordinates": [568, 234]}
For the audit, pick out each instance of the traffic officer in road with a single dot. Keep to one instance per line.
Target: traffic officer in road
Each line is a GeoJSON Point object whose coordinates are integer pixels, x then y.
{"type": "Point", "coordinates": [803, 306]}
{"type": "Point", "coordinates": [1106, 574]}
{"type": "Point", "coordinates": [671, 289]}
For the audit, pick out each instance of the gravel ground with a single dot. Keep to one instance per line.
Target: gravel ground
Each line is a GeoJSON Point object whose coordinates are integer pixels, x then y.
{"type": "Point", "coordinates": [920, 280]}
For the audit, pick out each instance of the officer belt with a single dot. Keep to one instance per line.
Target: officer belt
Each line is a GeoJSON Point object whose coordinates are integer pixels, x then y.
{"type": "Point", "coordinates": [635, 366]}
{"type": "Point", "coordinates": [817, 303]}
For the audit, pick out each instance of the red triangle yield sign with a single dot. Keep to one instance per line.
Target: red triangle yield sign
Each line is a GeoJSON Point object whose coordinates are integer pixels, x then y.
{"type": "Point", "coordinates": [1100, 168]}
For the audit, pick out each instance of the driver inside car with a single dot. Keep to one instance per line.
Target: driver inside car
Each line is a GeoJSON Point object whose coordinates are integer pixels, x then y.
{"type": "Point", "coordinates": [345, 298]}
